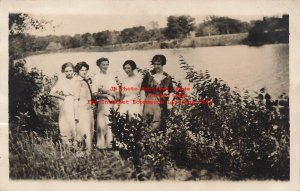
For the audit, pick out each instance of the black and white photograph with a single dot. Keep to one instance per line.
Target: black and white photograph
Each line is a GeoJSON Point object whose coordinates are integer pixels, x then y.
{"type": "Point", "coordinates": [147, 92]}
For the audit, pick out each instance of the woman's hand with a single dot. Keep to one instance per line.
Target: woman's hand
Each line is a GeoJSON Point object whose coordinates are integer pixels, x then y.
{"type": "Point", "coordinates": [171, 98]}
{"type": "Point", "coordinates": [141, 108]}
{"type": "Point", "coordinates": [110, 97]}
{"type": "Point", "coordinates": [74, 97]}
{"type": "Point", "coordinates": [117, 107]}
{"type": "Point", "coordinates": [169, 106]}
{"type": "Point", "coordinates": [96, 95]}
{"type": "Point", "coordinates": [68, 94]}
{"type": "Point", "coordinates": [58, 96]}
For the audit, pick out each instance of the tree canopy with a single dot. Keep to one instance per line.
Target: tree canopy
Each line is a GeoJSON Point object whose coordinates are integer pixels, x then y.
{"type": "Point", "coordinates": [179, 26]}
{"type": "Point", "coordinates": [214, 25]}
{"type": "Point", "coordinates": [134, 34]}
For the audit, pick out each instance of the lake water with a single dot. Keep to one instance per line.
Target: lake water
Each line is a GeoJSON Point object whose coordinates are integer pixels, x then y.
{"type": "Point", "coordinates": [245, 67]}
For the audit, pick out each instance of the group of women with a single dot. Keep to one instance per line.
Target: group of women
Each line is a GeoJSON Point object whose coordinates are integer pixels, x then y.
{"type": "Point", "coordinates": [76, 119]}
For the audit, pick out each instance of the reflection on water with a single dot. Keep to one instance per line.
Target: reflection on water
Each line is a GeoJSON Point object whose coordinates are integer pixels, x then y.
{"type": "Point", "coordinates": [245, 67]}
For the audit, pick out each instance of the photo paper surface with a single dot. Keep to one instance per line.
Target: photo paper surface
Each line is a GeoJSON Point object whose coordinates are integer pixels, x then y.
{"type": "Point", "coordinates": [143, 95]}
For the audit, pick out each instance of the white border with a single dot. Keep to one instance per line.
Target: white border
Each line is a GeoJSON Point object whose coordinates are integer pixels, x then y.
{"type": "Point", "coordinates": [162, 7]}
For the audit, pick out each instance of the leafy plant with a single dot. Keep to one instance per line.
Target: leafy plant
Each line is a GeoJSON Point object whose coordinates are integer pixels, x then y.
{"type": "Point", "coordinates": [137, 142]}
{"type": "Point", "coordinates": [238, 135]}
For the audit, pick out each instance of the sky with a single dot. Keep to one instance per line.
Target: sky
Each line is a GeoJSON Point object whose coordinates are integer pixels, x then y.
{"type": "Point", "coordinates": [79, 24]}
{"type": "Point", "coordinates": [78, 17]}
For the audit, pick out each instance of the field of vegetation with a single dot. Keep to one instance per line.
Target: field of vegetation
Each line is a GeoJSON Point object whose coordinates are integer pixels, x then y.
{"type": "Point", "coordinates": [238, 137]}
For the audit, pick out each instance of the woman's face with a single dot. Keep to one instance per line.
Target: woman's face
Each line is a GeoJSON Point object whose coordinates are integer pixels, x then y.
{"type": "Point", "coordinates": [104, 66]}
{"type": "Point", "coordinates": [157, 66]}
{"type": "Point", "coordinates": [83, 72]}
{"type": "Point", "coordinates": [69, 72]}
{"type": "Point", "coordinates": [128, 70]}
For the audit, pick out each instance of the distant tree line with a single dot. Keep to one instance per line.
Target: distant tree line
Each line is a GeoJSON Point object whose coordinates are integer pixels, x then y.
{"type": "Point", "coordinates": [268, 30]}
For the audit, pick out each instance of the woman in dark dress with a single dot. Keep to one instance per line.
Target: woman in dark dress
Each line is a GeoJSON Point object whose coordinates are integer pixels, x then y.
{"type": "Point", "coordinates": [158, 88]}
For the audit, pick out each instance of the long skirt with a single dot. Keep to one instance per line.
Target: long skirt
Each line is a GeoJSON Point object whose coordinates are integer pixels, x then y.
{"type": "Point", "coordinates": [103, 130]}
{"type": "Point", "coordinates": [154, 110]}
{"type": "Point", "coordinates": [84, 128]}
{"type": "Point", "coordinates": [131, 108]}
{"type": "Point", "coordinates": [67, 120]}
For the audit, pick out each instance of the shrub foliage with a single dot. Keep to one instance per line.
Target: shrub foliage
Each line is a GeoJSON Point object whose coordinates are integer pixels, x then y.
{"type": "Point", "coordinates": [238, 136]}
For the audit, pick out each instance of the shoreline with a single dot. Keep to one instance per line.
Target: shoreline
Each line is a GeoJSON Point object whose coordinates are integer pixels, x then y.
{"type": "Point", "coordinates": [190, 42]}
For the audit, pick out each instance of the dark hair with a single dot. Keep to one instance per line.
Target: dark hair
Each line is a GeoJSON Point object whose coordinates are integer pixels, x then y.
{"type": "Point", "coordinates": [63, 67]}
{"type": "Point", "coordinates": [159, 57]}
{"type": "Point", "coordinates": [100, 60]}
{"type": "Point", "coordinates": [79, 65]}
{"type": "Point", "coordinates": [131, 63]}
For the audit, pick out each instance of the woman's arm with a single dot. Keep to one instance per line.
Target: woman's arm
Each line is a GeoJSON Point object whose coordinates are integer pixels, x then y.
{"type": "Point", "coordinates": [142, 96]}
{"type": "Point", "coordinates": [57, 96]}
{"type": "Point", "coordinates": [77, 98]}
{"type": "Point", "coordinates": [171, 92]}
{"type": "Point", "coordinates": [55, 92]}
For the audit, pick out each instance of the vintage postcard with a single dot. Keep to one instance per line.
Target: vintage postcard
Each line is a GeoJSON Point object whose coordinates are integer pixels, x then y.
{"type": "Point", "coordinates": [149, 95]}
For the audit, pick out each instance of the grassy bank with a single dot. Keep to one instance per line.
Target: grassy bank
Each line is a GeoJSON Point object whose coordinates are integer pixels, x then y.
{"type": "Point", "coordinates": [39, 157]}
{"type": "Point", "coordinates": [33, 156]}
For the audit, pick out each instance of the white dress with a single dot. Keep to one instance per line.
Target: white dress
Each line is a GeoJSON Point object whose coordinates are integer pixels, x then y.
{"type": "Point", "coordinates": [103, 130]}
{"type": "Point", "coordinates": [68, 108]}
{"type": "Point", "coordinates": [133, 86]}
{"type": "Point", "coordinates": [84, 128]}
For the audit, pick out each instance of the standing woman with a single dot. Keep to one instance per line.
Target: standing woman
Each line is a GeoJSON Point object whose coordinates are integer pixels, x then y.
{"type": "Point", "coordinates": [158, 88]}
{"type": "Point", "coordinates": [103, 83]}
{"type": "Point", "coordinates": [66, 90]}
{"type": "Point", "coordinates": [133, 83]}
{"type": "Point", "coordinates": [84, 129]}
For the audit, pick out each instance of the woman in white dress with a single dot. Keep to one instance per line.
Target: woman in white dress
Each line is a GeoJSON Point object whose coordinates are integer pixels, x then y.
{"type": "Point", "coordinates": [66, 90]}
{"type": "Point", "coordinates": [131, 91]}
{"type": "Point", "coordinates": [102, 89]}
{"type": "Point", "coordinates": [84, 128]}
